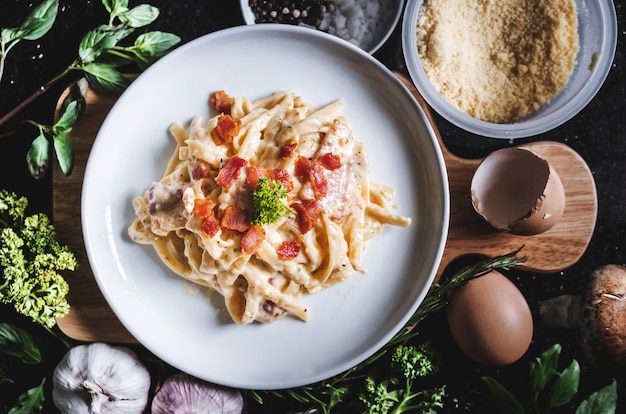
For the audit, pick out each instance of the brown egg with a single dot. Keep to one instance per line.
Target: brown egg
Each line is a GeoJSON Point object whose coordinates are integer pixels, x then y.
{"type": "Point", "coordinates": [490, 320]}
{"type": "Point", "coordinates": [517, 191]}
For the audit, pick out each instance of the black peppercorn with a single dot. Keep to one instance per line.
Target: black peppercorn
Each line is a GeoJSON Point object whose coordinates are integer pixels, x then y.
{"type": "Point", "coordinates": [308, 12]}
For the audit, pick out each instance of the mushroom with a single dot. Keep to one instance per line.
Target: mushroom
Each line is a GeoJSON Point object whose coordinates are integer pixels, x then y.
{"type": "Point", "coordinates": [599, 314]}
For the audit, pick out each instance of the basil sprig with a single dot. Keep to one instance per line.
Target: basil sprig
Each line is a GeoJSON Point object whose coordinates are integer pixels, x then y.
{"type": "Point", "coordinates": [559, 386]}
{"type": "Point", "coordinates": [36, 25]}
{"type": "Point", "coordinates": [101, 54]}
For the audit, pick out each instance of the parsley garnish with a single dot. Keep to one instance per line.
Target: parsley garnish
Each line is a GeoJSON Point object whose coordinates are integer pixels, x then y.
{"type": "Point", "coordinates": [267, 201]}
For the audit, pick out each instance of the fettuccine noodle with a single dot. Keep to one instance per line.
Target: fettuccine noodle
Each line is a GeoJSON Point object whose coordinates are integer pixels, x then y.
{"type": "Point", "coordinates": [200, 215]}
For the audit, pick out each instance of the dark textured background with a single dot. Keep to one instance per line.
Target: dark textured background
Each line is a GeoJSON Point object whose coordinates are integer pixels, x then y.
{"type": "Point", "coordinates": [597, 134]}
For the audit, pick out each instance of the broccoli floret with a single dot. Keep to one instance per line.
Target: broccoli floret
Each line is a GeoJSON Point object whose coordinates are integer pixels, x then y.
{"type": "Point", "coordinates": [267, 201]}
{"type": "Point", "coordinates": [30, 258]}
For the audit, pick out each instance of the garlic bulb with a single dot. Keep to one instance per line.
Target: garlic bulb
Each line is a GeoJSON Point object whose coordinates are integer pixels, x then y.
{"type": "Point", "coordinates": [184, 394]}
{"type": "Point", "coordinates": [100, 379]}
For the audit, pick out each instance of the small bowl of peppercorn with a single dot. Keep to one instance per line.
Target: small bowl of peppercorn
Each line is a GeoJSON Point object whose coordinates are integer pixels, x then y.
{"type": "Point", "coordinates": [509, 69]}
{"type": "Point", "coordinates": [364, 23]}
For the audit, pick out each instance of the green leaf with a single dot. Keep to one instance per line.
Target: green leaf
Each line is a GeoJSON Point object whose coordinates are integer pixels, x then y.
{"type": "Point", "coordinates": [544, 368]}
{"type": "Point", "coordinates": [64, 152]}
{"type": "Point", "coordinates": [151, 46]}
{"type": "Point", "coordinates": [77, 93]}
{"type": "Point", "coordinates": [156, 43]}
{"type": "Point", "coordinates": [566, 385]}
{"type": "Point", "coordinates": [105, 78]}
{"type": "Point", "coordinates": [503, 397]}
{"type": "Point", "coordinates": [37, 156]}
{"type": "Point", "coordinates": [16, 342]}
{"type": "Point", "coordinates": [31, 402]}
{"type": "Point", "coordinates": [115, 7]}
{"type": "Point", "coordinates": [603, 401]}
{"type": "Point", "coordinates": [8, 35]}
{"type": "Point", "coordinates": [96, 41]}
{"type": "Point", "coordinates": [39, 21]}
{"type": "Point", "coordinates": [139, 16]}
{"type": "Point", "coordinates": [68, 117]}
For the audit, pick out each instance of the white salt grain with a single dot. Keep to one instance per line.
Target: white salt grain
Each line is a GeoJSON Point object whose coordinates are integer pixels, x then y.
{"type": "Point", "coordinates": [360, 22]}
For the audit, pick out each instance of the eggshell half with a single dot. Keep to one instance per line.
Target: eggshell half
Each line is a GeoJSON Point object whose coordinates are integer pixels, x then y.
{"type": "Point", "coordinates": [490, 320]}
{"type": "Point", "coordinates": [517, 191]}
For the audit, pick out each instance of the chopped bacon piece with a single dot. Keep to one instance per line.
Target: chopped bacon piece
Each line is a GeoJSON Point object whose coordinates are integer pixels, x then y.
{"type": "Point", "coordinates": [282, 176]}
{"type": "Point", "coordinates": [289, 250]}
{"type": "Point", "coordinates": [230, 172]}
{"type": "Point", "coordinates": [210, 226]}
{"type": "Point", "coordinates": [286, 150]}
{"type": "Point", "coordinates": [254, 173]}
{"type": "Point", "coordinates": [301, 167]}
{"type": "Point", "coordinates": [318, 180]}
{"type": "Point", "coordinates": [200, 170]}
{"type": "Point", "coordinates": [203, 208]}
{"type": "Point", "coordinates": [226, 129]}
{"type": "Point", "coordinates": [308, 212]}
{"type": "Point", "coordinates": [221, 102]}
{"type": "Point", "coordinates": [330, 161]}
{"type": "Point", "coordinates": [252, 239]}
{"type": "Point", "coordinates": [236, 219]}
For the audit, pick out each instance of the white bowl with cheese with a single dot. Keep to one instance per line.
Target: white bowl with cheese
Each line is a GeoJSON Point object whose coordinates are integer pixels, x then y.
{"type": "Point", "coordinates": [596, 36]}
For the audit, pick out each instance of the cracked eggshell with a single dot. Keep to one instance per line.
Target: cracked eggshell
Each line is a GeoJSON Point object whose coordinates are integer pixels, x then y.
{"type": "Point", "coordinates": [517, 191]}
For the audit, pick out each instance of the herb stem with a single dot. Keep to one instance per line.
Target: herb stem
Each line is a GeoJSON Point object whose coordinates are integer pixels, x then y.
{"type": "Point", "coordinates": [42, 90]}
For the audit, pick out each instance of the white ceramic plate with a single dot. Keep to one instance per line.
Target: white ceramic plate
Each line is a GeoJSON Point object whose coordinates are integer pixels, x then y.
{"type": "Point", "coordinates": [348, 322]}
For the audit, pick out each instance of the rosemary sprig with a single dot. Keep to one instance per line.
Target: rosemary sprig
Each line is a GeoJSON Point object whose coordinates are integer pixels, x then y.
{"type": "Point", "coordinates": [330, 392]}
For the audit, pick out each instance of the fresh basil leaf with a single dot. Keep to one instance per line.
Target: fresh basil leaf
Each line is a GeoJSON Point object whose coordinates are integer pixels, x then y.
{"type": "Point", "coordinates": [16, 342]}
{"type": "Point", "coordinates": [78, 94]}
{"type": "Point", "coordinates": [115, 7]}
{"type": "Point", "coordinates": [156, 43]}
{"type": "Point", "coordinates": [151, 46]}
{"type": "Point", "coordinates": [67, 118]}
{"type": "Point", "coordinates": [9, 35]}
{"type": "Point", "coordinates": [105, 78]}
{"type": "Point", "coordinates": [39, 21]}
{"type": "Point", "coordinates": [64, 152]}
{"type": "Point", "coordinates": [544, 368]}
{"type": "Point", "coordinates": [603, 401]}
{"type": "Point", "coordinates": [503, 397]}
{"type": "Point", "coordinates": [31, 402]}
{"type": "Point", "coordinates": [37, 156]}
{"type": "Point", "coordinates": [139, 16]}
{"type": "Point", "coordinates": [565, 386]}
{"type": "Point", "coordinates": [96, 41]}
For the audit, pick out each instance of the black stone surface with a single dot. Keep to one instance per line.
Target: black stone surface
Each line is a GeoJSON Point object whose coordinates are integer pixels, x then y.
{"type": "Point", "coordinates": [597, 133]}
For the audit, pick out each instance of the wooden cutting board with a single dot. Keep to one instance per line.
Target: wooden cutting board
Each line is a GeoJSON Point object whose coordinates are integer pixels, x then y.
{"type": "Point", "coordinates": [91, 319]}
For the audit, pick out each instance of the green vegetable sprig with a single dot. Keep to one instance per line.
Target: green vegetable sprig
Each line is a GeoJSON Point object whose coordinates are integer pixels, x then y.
{"type": "Point", "coordinates": [38, 23]}
{"type": "Point", "coordinates": [560, 386]}
{"type": "Point", "coordinates": [397, 394]}
{"type": "Point", "coordinates": [268, 201]}
{"type": "Point", "coordinates": [331, 393]}
{"type": "Point", "coordinates": [101, 54]}
{"type": "Point", "coordinates": [71, 109]}
{"type": "Point", "coordinates": [30, 259]}
{"type": "Point", "coordinates": [18, 343]}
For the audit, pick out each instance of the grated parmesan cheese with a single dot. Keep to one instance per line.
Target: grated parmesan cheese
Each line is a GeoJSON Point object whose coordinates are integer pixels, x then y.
{"type": "Point", "coordinates": [498, 60]}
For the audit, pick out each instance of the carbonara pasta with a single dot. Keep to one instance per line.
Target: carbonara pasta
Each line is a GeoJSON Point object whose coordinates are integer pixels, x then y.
{"type": "Point", "coordinates": [264, 202]}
